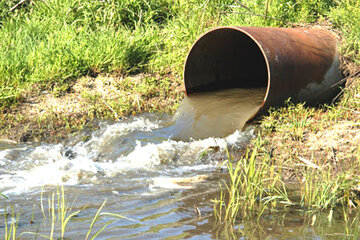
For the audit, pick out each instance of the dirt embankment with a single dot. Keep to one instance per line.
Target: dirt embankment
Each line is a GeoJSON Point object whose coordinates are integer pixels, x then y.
{"type": "Point", "coordinates": [51, 116]}
{"type": "Point", "coordinates": [327, 137]}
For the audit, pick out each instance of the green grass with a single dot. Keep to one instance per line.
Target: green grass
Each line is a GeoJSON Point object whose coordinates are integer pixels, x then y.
{"type": "Point", "coordinates": [57, 213]}
{"type": "Point", "coordinates": [259, 183]}
{"type": "Point", "coordinates": [313, 152]}
{"type": "Point", "coordinates": [10, 231]}
{"type": "Point", "coordinates": [54, 42]}
{"type": "Point", "coordinates": [47, 44]}
{"type": "Point", "coordinates": [345, 18]}
{"type": "Point", "coordinates": [253, 187]}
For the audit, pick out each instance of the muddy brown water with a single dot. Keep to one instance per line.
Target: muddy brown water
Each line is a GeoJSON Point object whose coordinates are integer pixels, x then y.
{"type": "Point", "coordinates": [216, 114]}
{"type": "Point", "coordinates": [159, 171]}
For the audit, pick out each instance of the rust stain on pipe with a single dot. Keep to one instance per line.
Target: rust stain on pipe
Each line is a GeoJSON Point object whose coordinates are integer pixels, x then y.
{"type": "Point", "coordinates": [289, 62]}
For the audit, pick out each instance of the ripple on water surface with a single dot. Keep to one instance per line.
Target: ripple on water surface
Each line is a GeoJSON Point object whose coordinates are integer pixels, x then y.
{"type": "Point", "coordinates": [149, 168]}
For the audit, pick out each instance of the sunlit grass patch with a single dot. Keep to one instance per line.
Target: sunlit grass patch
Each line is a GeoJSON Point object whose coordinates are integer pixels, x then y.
{"type": "Point", "coordinates": [48, 45]}
{"type": "Point", "coordinates": [345, 17]}
{"type": "Point", "coordinates": [254, 186]}
{"type": "Point", "coordinates": [54, 42]}
{"type": "Point", "coordinates": [321, 189]}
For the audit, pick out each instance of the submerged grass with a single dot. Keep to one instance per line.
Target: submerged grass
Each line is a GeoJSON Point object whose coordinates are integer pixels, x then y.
{"type": "Point", "coordinates": [10, 232]}
{"type": "Point", "coordinates": [57, 214]}
{"type": "Point", "coordinates": [253, 187]}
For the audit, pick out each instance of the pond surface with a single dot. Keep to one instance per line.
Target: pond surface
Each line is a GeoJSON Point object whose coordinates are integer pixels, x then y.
{"type": "Point", "coordinates": [159, 172]}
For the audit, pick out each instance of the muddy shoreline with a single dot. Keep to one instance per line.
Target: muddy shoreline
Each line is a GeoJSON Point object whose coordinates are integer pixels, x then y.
{"type": "Point", "coordinates": [48, 117]}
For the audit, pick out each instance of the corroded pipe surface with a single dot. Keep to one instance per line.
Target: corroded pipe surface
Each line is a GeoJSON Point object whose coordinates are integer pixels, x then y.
{"type": "Point", "coordinates": [289, 62]}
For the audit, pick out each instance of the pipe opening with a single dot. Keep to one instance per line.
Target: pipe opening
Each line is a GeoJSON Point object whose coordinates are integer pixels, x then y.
{"type": "Point", "coordinates": [225, 58]}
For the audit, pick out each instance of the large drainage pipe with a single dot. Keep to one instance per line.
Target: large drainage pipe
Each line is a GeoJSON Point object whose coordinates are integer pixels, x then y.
{"type": "Point", "coordinates": [288, 62]}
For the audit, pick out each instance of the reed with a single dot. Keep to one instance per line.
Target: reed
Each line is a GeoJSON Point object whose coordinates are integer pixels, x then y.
{"type": "Point", "coordinates": [11, 231]}
{"type": "Point", "coordinates": [252, 188]}
{"type": "Point", "coordinates": [57, 214]}
{"type": "Point", "coordinates": [323, 190]}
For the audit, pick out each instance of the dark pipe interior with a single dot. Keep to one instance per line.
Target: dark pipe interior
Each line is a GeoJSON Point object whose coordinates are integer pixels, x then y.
{"type": "Point", "coordinates": [225, 58]}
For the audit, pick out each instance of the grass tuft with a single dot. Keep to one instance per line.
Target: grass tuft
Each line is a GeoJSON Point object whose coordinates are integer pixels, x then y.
{"type": "Point", "coordinates": [57, 214]}
{"type": "Point", "coordinates": [253, 187]}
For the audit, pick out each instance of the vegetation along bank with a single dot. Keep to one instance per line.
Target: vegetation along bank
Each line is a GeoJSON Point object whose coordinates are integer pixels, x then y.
{"type": "Point", "coordinates": [65, 65]}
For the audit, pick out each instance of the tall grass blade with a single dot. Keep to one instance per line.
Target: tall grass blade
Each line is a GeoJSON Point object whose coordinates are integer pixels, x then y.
{"type": "Point", "coordinates": [95, 219]}
{"type": "Point", "coordinates": [118, 216]}
{"type": "Point", "coordinates": [101, 229]}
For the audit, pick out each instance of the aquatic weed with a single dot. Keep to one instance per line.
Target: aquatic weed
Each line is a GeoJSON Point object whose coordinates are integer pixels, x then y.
{"type": "Point", "coordinates": [252, 188]}
{"type": "Point", "coordinates": [58, 213]}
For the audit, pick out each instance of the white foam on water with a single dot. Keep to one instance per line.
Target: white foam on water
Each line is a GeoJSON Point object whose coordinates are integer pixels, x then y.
{"type": "Point", "coordinates": [3, 160]}
{"type": "Point", "coordinates": [50, 166]}
{"type": "Point", "coordinates": [187, 182]}
{"type": "Point", "coordinates": [101, 139]}
{"type": "Point", "coordinates": [138, 143]}
{"type": "Point", "coordinates": [171, 151]}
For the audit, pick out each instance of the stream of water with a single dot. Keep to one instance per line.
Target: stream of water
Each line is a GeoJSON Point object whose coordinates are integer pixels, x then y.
{"type": "Point", "coordinates": [160, 172]}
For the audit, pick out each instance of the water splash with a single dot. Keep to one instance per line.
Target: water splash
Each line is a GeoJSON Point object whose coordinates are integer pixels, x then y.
{"type": "Point", "coordinates": [105, 156]}
{"type": "Point", "coordinates": [203, 123]}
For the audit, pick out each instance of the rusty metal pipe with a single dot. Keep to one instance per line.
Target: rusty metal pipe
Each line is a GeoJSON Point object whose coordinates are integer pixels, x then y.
{"type": "Point", "coordinates": [289, 62]}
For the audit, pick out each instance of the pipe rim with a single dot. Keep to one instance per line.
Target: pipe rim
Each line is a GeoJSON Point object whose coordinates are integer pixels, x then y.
{"type": "Point", "coordinates": [240, 29]}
